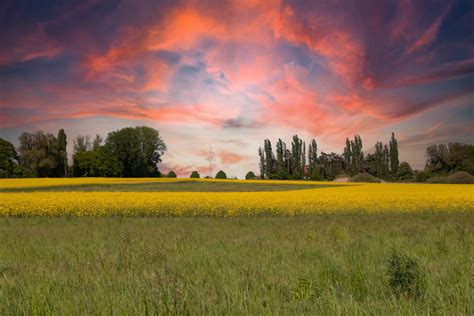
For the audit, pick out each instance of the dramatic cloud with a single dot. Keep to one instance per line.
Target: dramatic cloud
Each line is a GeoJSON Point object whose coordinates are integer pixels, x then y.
{"type": "Point", "coordinates": [204, 73]}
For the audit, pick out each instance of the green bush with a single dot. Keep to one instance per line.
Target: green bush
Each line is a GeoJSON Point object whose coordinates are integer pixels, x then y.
{"type": "Point", "coordinates": [250, 175]}
{"type": "Point", "coordinates": [171, 174]}
{"type": "Point", "coordinates": [195, 175]}
{"type": "Point", "coordinates": [221, 175]}
{"type": "Point", "coordinates": [405, 277]}
{"type": "Point", "coordinates": [422, 176]}
{"type": "Point", "coordinates": [405, 172]}
{"type": "Point", "coordinates": [460, 177]}
{"type": "Point", "coordinates": [364, 177]}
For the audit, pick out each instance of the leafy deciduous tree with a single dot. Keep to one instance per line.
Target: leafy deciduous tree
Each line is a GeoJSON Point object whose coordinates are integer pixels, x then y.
{"type": "Point", "coordinates": [221, 175]}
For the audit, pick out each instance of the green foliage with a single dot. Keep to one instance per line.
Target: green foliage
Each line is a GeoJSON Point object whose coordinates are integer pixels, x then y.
{"type": "Point", "coordinates": [298, 158]}
{"type": "Point", "coordinates": [364, 177]}
{"type": "Point", "coordinates": [250, 175]}
{"type": "Point", "coordinates": [405, 276]}
{"type": "Point", "coordinates": [8, 159]}
{"type": "Point", "coordinates": [138, 149]}
{"type": "Point", "coordinates": [39, 153]}
{"type": "Point", "coordinates": [353, 155]}
{"type": "Point", "coordinates": [62, 154]}
{"type": "Point", "coordinates": [9, 167]}
{"type": "Point", "coordinates": [97, 142]}
{"type": "Point", "coordinates": [270, 162]}
{"type": "Point", "coordinates": [261, 162]}
{"type": "Point", "coordinates": [394, 162]}
{"type": "Point", "coordinates": [313, 172]}
{"type": "Point", "coordinates": [330, 165]}
{"type": "Point", "coordinates": [81, 144]}
{"type": "Point", "coordinates": [195, 175]}
{"type": "Point", "coordinates": [421, 176]}
{"type": "Point", "coordinates": [281, 168]}
{"type": "Point", "coordinates": [450, 158]}
{"type": "Point", "coordinates": [100, 162]}
{"type": "Point", "coordinates": [221, 175]}
{"type": "Point", "coordinates": [460, 177]}
{"type": "Point", "coordinates": [171, 174]}
{"type": "Point", "coordinates": [405, 172]}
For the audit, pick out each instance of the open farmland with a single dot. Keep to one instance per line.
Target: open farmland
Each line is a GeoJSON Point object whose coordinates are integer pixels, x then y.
{"type": "Point", "coordinates": [315, 247]}
{"type": "Point", "coordinates": [102, 197]}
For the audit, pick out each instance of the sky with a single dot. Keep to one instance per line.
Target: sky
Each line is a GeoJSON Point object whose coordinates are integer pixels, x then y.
{"type": "Point", "coordinates": [222, 76]}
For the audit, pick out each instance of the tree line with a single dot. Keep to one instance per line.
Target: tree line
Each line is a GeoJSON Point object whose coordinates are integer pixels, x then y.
{"type": "Point", "coordinates": [137, 152]}
{"type": "Point", "coordinates": [298, 161]}
{"type": "Point", "coordinates": [127, 152]}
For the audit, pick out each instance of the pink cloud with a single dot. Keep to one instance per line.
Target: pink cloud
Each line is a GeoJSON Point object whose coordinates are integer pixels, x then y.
{"type": "Point", "coordinates": [429, 34]}
{"type": "Point", "coordinates": [229, 158]}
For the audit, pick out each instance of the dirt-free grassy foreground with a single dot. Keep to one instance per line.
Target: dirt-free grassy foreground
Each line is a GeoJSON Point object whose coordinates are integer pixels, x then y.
{"type": "Point", "coordinates": [317, 264]}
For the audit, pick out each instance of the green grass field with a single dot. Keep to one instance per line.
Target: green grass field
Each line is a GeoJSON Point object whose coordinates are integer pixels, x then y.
{"type": "Point", "coordinates": [319, 264]}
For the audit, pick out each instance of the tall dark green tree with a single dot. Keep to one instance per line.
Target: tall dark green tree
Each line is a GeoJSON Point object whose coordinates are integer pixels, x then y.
{"type": "Point", "coordinates": [297, 158]}
{"type": "Point", "coordinates": [261, 163]}
{"type": "Point", "coordinates": [353, 155]}
{"type": "Point", "coordinates": [288, 164]}
{"type": "Point", "coordinates": [394, 162]}
{"type": "Point", "coordinates": [62, 154]}
{"type": "Point", "coordinates": [357, 155]}
{"type": "Point", "coordinates": [269, 159]}
{"type": "Point", "coordinates": [138, 149]}
{"type": "Point", "coordinates": [379, 160]}
{"type": "Point", "coordinates": [313, 160]}
{"type": "Point", "coordinates": [347, 155]}
{"type": "Point", "coordinates": [281, 169]}
{"type": "Point", "coordinates": [385, 162]}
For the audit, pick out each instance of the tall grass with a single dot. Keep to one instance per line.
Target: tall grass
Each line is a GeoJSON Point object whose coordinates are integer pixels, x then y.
{"type": "Point", "coordinates": [321, 264]}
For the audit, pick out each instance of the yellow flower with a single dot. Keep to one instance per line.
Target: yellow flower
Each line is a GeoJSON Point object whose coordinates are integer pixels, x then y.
{"type": "Point", "coordinates": [351, 197]}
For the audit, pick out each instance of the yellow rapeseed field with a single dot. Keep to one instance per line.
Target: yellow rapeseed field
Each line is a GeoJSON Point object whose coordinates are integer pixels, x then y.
{"type": "Point", "coordinates": [383, 197]}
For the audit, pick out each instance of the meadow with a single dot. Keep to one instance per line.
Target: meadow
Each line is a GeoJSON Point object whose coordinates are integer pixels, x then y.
{"type": "Point", "coordinates": [180, 246]}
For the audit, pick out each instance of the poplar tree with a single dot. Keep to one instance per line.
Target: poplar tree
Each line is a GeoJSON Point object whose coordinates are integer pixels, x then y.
{"type": "Point", "coordinates": [386, 162]}
{"type": "Point", "coordinates": [347, 156]}
{"type": "Point", "coordinates": [296, 157]}
{"type": "Point", "coordinates": [62, 154]}
{"type": "Point", "coordinates": [379, 159]}
{"type": "Point", "coordinates": [261, 163]}
{"type": "Point", "coordinates": [269, 159]}
{"type": "Point", "coordinates": [288, 164]}
{"type": "Point", "coordinates": [313, 160]}
{"type": "Point", "coordinates": [281, 169]}
{"type": "Point", "coordinates": [394, 162]}
{"type": "Point", "coordinates": [353, 155]}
